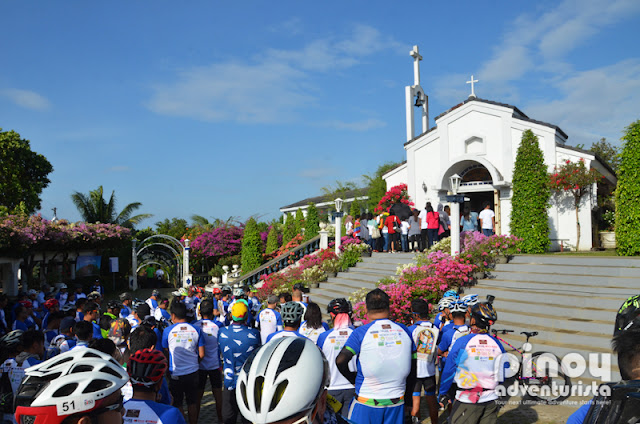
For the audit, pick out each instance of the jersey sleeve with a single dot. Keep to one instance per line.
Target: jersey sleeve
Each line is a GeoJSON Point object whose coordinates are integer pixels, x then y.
{"type": "Point", "coordinates": [580, 414]}
{"type": "Point", "coordinates": [165, 338]}
{"type": "Point", "coordinates": [355, 340]}
{"type": "Point", "coordinates": [201, 339]}
{"type": "Point", "coordinates": [325, 326]}
{"type": "Point", "coordinates": [321, 338]}
{"type": "Point", "coordinates": [445, 342]}
{"type": "Point", "coordinates": [451, 364]}
{"type": "Point", "coordinates": [279, 324]}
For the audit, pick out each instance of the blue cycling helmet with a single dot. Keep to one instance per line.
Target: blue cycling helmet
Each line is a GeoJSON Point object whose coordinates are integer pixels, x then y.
{"type": "Point", "coordinates": [451, 293]}
{"type": "Point", "coordinates": [458, 306]}
{"type": "Point", "coordinates": [470, 299]}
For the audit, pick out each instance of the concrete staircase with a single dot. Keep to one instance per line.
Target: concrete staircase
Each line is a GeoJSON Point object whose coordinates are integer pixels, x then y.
{"type": "Point", "coordinates": [571, 301]}
{"type": "Point", "coordinates": [364, 275]}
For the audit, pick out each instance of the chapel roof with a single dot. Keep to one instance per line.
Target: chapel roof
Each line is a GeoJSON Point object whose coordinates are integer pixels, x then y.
{"type": "Point", "coordinates": [349, 194]}
{"type": "Point", "coordinates": [517, 114]}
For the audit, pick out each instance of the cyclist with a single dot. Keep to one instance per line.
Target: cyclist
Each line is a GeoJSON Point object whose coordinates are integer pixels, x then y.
{"type": "Point", "coordinates": [91, 312]}
{"type": "Point", "coordinates": [425, 336]}
{"type": "Point", "coordinates": [386, 364]}
{"type": "Point", "coordinates": [84, 333]}
{"type": "Point", "coordinates": [146, 369]}
{"type": "Point", "coordinates": [331, 343]}
{"type": "Point", "coordinates": [236, 342]}
{"type": "Point", "coordinates": [32, 354]}
{"type": "Point", "coordinates": [626, 344]}
{"type": "Point", "coordinates": [313, 326]}
{"type": "Point", "coordinates": [91, 381]}
{"type": "Point", "coordinates": [302, 400]}
{"type": "Point", "coordinates": [10, 347]}
{"type": "Point", "coordinates": [291, 317]}
{"type": "Point", "coordinates": [470, 300]}
{"type": "Point", "coordinates": [210, 363]}
{"type": "Point", "coordinates": [444, 315]}
{"type": "Point", "coordinates": [471, 364]}
{"type": "Point", "coordinates": [162, 315]}
{"type": "Point", "coordinates": [152, 301]}
{"type": "Point", "coordinates": [185, 345]}
{"type": "Point", "coordinates": [64, 341]}
{"type": "Point", "coordinates": [51, 306]}
{"type": "Point", "coordinates": [269, 319]}
{"type": "Point", "coordinates": [455, 329]}
{"type": "Point", "coordinates": [127, 300]}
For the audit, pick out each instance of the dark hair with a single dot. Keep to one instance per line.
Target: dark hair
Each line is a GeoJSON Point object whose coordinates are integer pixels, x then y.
{"type": "Point", "coordinates": [286, 296]}
{"type": "Point", "coordinates": [19, 310]}
{"type": "Point", "coordinates": [143, 310]}
{"type": "Point", "coordinates": [627, 346]}
{"type": "Point", "coordinates": [142, 337]}
{"type": "Point", "coordinates": [89, 307]}
{"type": "Point", "coordinates": [485, 204]}
{"type": "Point", "coordinates": [54, 316]}
{"type": "Point", "coordinates": [462, 315]}
{"type": "Point", "coordinates": [420, 307]}
{"type": "Point", "coordinates": [447, 209]}
{"type": "Point", "coordinates": [3, 297]}
{"type": "Point", "coordinates": [179, 309]}
{"type": "Point", "coordinates": [429, 207]}
{"type": "Point", "coordinates": [313, 316]}
{"type": "Point", "coordinates": [31, 337]}
{"type": "Point", "coordinates": [466, 212]}
{"type": "Point", "coordinates": [206, 308]}
{"type": "Point", "coordinates": [80, 303]}
{"type": "Point", "coordinates": [83, 330]}
{"type": "Point", "coordinates": [105, 322]}
{"type": "Point", "coordinates": [377, 300]}
{"type": "Point", "coordinates": [103, 345]}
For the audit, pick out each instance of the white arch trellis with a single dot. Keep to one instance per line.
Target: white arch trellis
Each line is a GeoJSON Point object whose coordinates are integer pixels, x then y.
{"type": "Point", "coordinates": [175, 258]}
{"type": "Point", "coordinates": [186, 277]}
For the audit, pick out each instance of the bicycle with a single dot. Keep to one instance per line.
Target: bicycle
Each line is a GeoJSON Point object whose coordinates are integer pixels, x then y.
{"type": "Point", "coordinates": [551, 380]}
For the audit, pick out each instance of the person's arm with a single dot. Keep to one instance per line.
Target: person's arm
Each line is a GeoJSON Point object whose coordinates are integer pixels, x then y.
{"type": "Point", "coordinates": [201, 353]}
{"type": "Point", "coordinates": [342, 362]}
{"type": "Point", "coordinates": [493, 223]}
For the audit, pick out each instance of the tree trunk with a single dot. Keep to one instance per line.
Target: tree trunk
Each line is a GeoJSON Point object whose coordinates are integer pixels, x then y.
{"type": "Point", "coordinates": [578, 226]}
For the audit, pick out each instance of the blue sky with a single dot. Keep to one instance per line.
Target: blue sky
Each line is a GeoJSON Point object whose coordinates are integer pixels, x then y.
{"type": "Point", "coordinates": [237, 108]}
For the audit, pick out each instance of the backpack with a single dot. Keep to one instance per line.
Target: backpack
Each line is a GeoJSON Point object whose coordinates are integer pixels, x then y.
{"type": "Point", "coordinates": [623, 406]}
{"type": "Point", "coordinates": [459, 332]}
{"type": "Point", "coordinates": [426, 340]}
{"type": "Point", "coordinates": [375, 232]}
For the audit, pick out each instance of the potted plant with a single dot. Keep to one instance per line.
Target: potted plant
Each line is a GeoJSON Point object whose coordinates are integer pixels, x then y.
{"type": "Point", "coordinates": [608, 236]}
{"type": "Point", "coordinates": [331, 267]}
{"type": "Point", "coordinates": [313, 276]}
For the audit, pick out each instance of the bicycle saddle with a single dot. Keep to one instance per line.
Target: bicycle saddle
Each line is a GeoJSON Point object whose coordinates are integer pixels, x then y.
{"type": "Point", "coordinates": [529, 334]}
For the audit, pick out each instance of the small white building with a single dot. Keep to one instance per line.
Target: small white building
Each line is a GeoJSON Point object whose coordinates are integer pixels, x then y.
{"type": "Point", "coordinates": [478, 140]}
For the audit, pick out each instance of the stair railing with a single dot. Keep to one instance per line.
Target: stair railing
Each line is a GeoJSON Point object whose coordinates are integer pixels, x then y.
{"type": "Point", "coordinates": [279, 263]}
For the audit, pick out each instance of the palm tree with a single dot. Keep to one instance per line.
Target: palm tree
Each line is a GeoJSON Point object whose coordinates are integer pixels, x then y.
{"type": "Point", "coordinates": [93, 208]}
{"type": "Point", "coordinates": [206, 225]}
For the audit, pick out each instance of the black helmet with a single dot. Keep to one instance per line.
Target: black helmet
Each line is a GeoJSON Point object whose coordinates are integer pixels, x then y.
{"type": "Point", "coordinates": [125, 296]}
{"type": "Point", "coordinates": [114, 304]}
{"type": "Point", "coordinates": [627, 317]}
{"type": "Point", "coordinates": [484, 314]}
{"type": "Point", "coordinates": [339, 306]}
{"type": "Point", "coordinates": [291, 312]}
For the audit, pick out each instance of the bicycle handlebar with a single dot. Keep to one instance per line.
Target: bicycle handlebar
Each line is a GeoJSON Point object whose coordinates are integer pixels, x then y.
{"type": "Point", "coordinates": [501, 331]}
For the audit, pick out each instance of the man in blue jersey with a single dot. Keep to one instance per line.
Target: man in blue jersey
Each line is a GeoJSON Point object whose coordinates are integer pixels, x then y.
{"type": "Point", "coordinates": [126, 299]}
{"type": "Point", "coordinates": [269, 320]}
{"type": "Point", "coordinates": [152, 301]}
{"type": "Point", "coordinates": [476, 364]}
{"type": "Point", "coordinates": [33, 353]}
{"type": "Point", "coordinates": [185, 345]}
{"type": "Point", "coordinates": [210, 364]}
{"type": "Point", "coordinates": [425, 336]}
{"type": "Point", "coordinates": [146, 369]}
{"type": "Point", "coordinates": [291, 313]}
{"type": "Point", "coordinates": [455, 329]}
{"type": "Point", "coordinates": [91, 313]}
{"type": "Point", "coordinates": [386, 359]}
{"type": "Point", "coordinates": [236, 342]}
{"type": "Point", "coordinates": [331, 343]}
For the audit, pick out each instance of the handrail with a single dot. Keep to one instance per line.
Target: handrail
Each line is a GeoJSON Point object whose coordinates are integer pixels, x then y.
{"type": "Point", "coordinates": [279, 263]}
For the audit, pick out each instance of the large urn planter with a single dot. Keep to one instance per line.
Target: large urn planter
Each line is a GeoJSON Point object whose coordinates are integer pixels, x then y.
{"type": "Point", "coordinates": [314, 285]}
{"type": "Point", "coordinates": [608, 239]}
{"type": "Point", "coordinates": [501, 259]}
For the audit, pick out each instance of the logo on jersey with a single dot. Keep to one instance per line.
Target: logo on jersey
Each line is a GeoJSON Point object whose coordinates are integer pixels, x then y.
{"type": "Point", "coordinates": [425, 339]}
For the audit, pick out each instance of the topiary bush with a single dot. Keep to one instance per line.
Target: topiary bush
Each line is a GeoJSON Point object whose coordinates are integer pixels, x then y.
{"type": "Point", "coordinates": [272, 240]}
{"type": "Point", "coordinates": [628, 194]}
{"type": "Point", "coordinates": [251, 247]}
{"type": "Point", "coordinates": [299, 222]}
{"type": "Point", "coordinates": [289, 230]}
{"type": "Point", "coordinates": [531, 193]}
{"type": "Point", "coordinates": [354, 210]}
{"type": "Point", "coordinates": [312, 223]}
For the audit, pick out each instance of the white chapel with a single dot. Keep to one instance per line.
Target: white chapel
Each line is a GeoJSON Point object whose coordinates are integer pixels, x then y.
{"type": "Point", "coordinates": [478, 140]}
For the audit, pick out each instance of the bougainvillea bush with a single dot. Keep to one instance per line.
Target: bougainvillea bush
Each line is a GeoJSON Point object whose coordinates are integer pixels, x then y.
{"type": "Point", "coordinates": [396, 194]}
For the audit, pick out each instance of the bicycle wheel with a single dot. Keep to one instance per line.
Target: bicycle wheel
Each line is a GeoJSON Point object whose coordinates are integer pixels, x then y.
{"type": "Point", "coordinates": [553, 385]}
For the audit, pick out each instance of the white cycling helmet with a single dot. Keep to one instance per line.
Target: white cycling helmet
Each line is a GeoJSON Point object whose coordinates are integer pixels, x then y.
{"type": "Point", "coordinates": [470, 299]}
{"type": "Point", "coordinates": [74, 382]}
{"type": "Point", "coordinates": [458, 306]}
{"type": "Point", "coordinates": [446, 302]}
{"type": "Point", "coordinates": [283, 378]}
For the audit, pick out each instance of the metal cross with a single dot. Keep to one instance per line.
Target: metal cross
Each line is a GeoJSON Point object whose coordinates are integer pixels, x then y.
{"type": "Point", "coordinates": [416, 65]}
{"type": "Point", "coordinates": [473, 93]}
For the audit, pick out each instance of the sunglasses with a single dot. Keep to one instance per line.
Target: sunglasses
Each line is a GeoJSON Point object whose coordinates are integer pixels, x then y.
{"type": "Point", "coordinates": [118, 406]}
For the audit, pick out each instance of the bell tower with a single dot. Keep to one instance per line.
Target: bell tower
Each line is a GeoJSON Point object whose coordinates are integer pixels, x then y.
{"type": "Point", "coordinates": [415, 97]}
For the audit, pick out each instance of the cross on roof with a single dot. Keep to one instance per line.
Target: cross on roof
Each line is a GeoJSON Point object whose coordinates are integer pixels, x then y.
{"type": "Point", "coordinates": [473, 93]}
{"type": "Point", "coordinates": [416, 65]}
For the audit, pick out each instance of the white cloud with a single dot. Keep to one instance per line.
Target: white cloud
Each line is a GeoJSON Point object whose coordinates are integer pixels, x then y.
{"type": "Point", "coordinates": [27, 99]}
{"type": "Point", "coordinates": [364, 125]}
{"type": "Point", "coordinates": [274, 87]}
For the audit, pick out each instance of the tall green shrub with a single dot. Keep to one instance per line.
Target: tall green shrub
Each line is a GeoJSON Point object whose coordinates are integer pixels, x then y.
{"type": "Point", "coordinates": [628, 194]}
{"type": "Point", "coordinates": [251, 247]}
{"type": "Point", "coordinates": [299, 222]}
{"type": "Point", "coordinates": [272, 240]}
{"type": "Point", "coordinates": [354, 211]}
{"type": "Point", "coordinates": [531, 193]}
{"type": "Point", "coordinates": [289, 229]}
{"type": "Point", "coordinates": [311, 225]}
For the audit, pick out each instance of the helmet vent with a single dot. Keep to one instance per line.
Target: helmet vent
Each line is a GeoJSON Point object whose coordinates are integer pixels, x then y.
{"type": "Point", "coordinates": [65, 390]}
{"type": "Point", "coordinates": [258, 389]}
{"type": "Point", "coordinates": [96, 386]}
{"type": "Point", "coordinates": [291, 355]}
{"type": "Point", "coordinates": [81, 368]}
{"type": "Point", "coordinates": [27, 419]}
{"type": "Point", "coordinates": [243, 392]}
{"type": "Point", "coordinates": [278, 395]}
{"type": "Point", "coordinates": [109, 370]}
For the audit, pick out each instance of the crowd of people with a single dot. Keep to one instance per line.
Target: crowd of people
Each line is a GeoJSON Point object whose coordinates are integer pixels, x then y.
{"type": "Point", "coordinates": [97, 361]}
{"type": "Point", "coordinates": [388, 232]}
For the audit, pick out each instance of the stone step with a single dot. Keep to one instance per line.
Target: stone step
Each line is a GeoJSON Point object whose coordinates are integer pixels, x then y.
{"type": "Point", "coordinates": [560, 289]}
{"type": "Point", "coordinates": [582, 270]}
{"type": "Point", "coordinates": [565, 323]}
{"type": "Point", "coordinates": [387, 269]}
{"type": "Point", "coordinates": [560, 259]}
{"type": "Point", "coordinates": [350, 279]}
{"type": "Point", "coordinates": [360, 275]}
{"type": "Point", "coordinates": [389, 258]}
{"type": "Point", "coordinates": [566, 279]}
